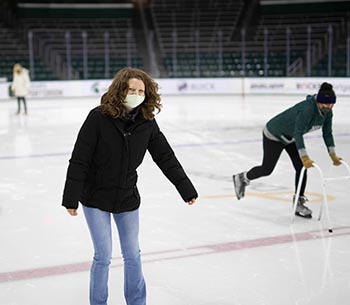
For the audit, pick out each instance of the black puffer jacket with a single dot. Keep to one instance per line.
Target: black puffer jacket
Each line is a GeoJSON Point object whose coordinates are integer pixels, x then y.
{"type": "Point", "coordinates": [102, 170]}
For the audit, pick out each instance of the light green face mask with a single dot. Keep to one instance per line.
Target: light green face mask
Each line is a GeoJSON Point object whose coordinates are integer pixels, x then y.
{"type": "Point", "coordinates": [133, 100]}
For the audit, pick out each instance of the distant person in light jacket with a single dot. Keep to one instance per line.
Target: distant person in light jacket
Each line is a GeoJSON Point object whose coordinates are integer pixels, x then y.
{"type": "Point", "coordinates": [285, 132]}
{"type": "Point", "coordinates": [20, 86]}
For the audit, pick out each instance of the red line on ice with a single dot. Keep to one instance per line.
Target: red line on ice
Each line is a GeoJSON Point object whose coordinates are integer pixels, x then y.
{"type": "Point", "coordinates": [178, 253]}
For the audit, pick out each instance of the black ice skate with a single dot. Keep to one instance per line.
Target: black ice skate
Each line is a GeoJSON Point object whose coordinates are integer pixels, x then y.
{"type": "Point", "coordinates": [240, 181]}
{"type": "Point", "coordinates": [302, 210]}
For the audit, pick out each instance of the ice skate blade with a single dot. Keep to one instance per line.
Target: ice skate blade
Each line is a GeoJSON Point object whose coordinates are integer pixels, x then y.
{"type": "Point", "coordinates": [303, 216]}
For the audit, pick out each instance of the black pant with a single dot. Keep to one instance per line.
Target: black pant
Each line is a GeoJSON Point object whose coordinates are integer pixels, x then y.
{"type": "Point", "coordinates": [19, 98]}
{"type": "Point", "coordinates": [272, 152]}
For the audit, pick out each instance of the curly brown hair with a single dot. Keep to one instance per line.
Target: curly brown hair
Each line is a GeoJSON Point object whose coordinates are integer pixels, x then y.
{"type": "Point", "coordinates": [112, 101]}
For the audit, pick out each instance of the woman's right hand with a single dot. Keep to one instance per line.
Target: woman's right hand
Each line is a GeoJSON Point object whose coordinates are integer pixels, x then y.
{"type": "Point", "coordinates": [72, 212]}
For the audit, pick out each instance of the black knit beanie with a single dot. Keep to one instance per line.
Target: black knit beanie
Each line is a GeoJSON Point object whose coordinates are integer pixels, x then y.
{"type": "Point", "coordinates": [326, 94]}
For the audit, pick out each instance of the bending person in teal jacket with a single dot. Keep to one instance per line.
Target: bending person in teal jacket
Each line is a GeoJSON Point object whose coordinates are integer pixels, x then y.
{"type": "Point", "coordinates": [286, 131]}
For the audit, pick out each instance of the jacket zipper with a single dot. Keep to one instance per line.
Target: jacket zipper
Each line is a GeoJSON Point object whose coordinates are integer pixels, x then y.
{"type": "Point", "coordinates": [126, 139]}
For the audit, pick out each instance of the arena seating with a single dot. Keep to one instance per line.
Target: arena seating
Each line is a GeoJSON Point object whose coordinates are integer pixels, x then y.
{"type": "Point", "coordinates": [191, 39]}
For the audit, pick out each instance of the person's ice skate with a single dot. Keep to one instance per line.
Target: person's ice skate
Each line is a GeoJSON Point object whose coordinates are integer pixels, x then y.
{"type": "Point", "coordinates": [302, 210]}
{"type": "Point", "coordinates": [240, 181]}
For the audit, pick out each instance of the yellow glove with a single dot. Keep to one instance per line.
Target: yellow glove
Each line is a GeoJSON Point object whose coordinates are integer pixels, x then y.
{"type": "Point", "coordinates": [336, 160]}
{"type": "Point", "coordinates": [307, 162]}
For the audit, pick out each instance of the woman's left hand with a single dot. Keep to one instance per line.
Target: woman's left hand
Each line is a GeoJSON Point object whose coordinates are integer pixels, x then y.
{"type": "Point", "coordinates": [192, 201]}
{"type": "Point", "coordinates": [336, 160]}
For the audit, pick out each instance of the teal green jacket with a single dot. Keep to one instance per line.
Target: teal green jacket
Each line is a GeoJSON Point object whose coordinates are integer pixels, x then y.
{"type": "Point", "coordinates": [291, 125]}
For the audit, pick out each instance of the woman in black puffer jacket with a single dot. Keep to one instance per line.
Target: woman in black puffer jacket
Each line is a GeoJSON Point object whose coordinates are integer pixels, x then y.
{"type": "Point", "coordinates": [102, 176]}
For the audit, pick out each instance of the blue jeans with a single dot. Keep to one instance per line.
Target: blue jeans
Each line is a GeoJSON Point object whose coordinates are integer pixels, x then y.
{"type": "Point", "coordinates": [99, 223]}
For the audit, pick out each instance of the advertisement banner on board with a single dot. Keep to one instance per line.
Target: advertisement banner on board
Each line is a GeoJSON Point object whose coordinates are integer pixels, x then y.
{"type": "Point", "coordinates": [297, 85]}
{"type": "Point", "coordinates": [206, 86]}
{"type": "Point", "coordinates": [200, 86]}
{"type": "Point", "coordinates": [69, 88]}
